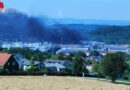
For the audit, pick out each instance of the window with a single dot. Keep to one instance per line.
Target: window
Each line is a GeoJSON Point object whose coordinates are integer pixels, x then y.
{"type": "Point", "coordinates": [13, 63]}
{"type": "Point", "coordinates": [8, 64]}
{"type": "Point", "coordinates": [13, 69]}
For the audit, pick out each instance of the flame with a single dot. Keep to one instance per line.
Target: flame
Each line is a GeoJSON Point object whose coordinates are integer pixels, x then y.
{"type": "Point", "coordinates": [1, 5]}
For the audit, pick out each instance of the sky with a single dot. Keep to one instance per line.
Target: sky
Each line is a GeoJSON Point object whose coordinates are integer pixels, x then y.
{"type": "Point", "coordinates": [79, 9]}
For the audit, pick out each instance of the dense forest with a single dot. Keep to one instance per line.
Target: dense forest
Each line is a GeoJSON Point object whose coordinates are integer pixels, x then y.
{"type": "Point", "coordinates": [101, 33]}
{"type": "Point", "coordinates": [112, 35]}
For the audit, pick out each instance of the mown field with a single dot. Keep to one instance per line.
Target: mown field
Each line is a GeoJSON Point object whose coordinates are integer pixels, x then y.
{"type": "Point", "coordinates": [55, 83]}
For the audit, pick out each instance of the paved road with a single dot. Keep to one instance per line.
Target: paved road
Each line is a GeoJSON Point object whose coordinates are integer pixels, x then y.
{"type": "Point", "coordinates": [103, 79]}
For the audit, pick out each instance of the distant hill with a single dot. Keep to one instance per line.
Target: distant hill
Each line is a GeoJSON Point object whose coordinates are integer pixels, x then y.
{"type": "Point", "coordinates": [112, 35]}
{"type": "Point", "coordinates": [88, 27]}
{"type": "Point", "coordinates": [51, 21]}
{"type": "Point", "coordinates": [83, 29]}
{"type": "Point", "coordinates": [104, 33]}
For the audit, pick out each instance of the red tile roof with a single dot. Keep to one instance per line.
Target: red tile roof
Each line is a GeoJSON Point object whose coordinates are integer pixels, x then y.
{"type": "Point", "coordinates": [4, 58]}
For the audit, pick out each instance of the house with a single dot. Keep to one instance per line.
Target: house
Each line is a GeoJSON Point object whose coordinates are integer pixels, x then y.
{"type": "Point", "coordinates": [24, 64]}
{"type": "Point", "coordinates": [68, 51]}
{"type": "Point", "coordinates": [65, 63]}
{"type": "Point", "coordinates": [89, 68]}
{"type": "Point", "coordinates": [55, 67]}
{"type": "Point", "coordinates": [93, 43]}
{"type": "Point", "coordinates": [95, 58]}
{"type": "Point", "coordinates": [87, 53]}
{"type": "Point", "coordinates": [8, 62]}
{"type": "Point", "coordinates": [103, 52]}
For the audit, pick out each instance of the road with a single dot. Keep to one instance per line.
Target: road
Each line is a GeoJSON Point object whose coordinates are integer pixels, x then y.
{"type": "Point", "coordinates": [103, 79]}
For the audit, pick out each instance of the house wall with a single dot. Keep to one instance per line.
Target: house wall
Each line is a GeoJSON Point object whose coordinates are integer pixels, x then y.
{"type": "Point", "coordinates": [67, 65]}
{"type": "Point", "coordinates": [89, 68]}
{"type": "Point", "coordinates": [61, 69]}
{"type": "Point", "coordinates": [11, 65]}
{"type": "Point", "coordinates": [26, 67]}
{"type": "Point", "coordinates": [103, 54]}
{"type": "Point", "coordinates": [53, 69]}
{"type": "Point", "coordinates": [87, 53]}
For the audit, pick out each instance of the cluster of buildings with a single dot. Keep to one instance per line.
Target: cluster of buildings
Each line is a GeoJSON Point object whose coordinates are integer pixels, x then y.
{"type": "Point", "coordinates": [35, 46]}
{"type": "Point", "coordinates": [17, 62]}
{"type": "Point", "coordinates": [88, 47]}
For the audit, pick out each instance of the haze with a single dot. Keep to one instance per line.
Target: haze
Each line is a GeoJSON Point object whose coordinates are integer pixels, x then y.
{"type": "Point", "coordinates": [81, 9]}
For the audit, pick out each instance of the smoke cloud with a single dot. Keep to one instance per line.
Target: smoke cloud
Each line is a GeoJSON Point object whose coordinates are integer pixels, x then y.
{"type": "Point", "coordinates": [20, 27]}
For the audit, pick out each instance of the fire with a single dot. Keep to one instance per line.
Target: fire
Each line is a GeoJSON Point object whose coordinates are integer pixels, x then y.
{"type": "Point", "coordinates": [2, 7]}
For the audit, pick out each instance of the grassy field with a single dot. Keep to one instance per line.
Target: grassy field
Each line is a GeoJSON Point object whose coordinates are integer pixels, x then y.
{"type": "Point", "coordinates": [55, 83]}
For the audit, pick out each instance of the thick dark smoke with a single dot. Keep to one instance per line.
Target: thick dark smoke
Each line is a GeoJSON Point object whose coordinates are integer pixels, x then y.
{"type": "Point", "coordinates": [23, 28]}
{"type": "Point", "coordinates": [36, 30]}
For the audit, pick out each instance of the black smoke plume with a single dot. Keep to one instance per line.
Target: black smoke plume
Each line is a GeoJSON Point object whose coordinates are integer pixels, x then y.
{"type": "Point", "coordinates": [20, 27]}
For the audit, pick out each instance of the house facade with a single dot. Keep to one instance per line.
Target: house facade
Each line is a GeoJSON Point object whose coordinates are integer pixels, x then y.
{"type": "Point", "coordinates": [24, 64]}
{"type": "Point", "coordinates": [65, 63]}
{"type": "Point", "coordinates": [8, 62]}
{"type": "Point", "coordinates": [55, 67]}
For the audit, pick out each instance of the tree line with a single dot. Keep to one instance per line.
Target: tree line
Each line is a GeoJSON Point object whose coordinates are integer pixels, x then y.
{"type": "Point", "coordinates": [111, 67]}
{"type": "Point", "coordinates": [112, 35]}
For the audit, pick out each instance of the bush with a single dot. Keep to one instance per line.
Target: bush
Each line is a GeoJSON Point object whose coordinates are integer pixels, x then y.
{"type": "Point", "coordinates": [46, 70]}
{"type": "Point", "coordinates": [1, 69]}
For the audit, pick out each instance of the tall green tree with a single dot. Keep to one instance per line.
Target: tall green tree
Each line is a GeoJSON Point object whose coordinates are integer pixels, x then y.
{"type": "Point", "coordinates": [94, 53]}
{"type": "Point", "coordinates": [60, 56]}
{"type": "Point", "coordinates": [77, 65]}
{"type": "Point", "coordinates": [127, 71]}
{"type": "Point", "coordinates": [32, 63]}
{"type": "Point", "coordinates": [97, 68]}
{"type": "Point", "coordinates": [81, 54]}
{"type": "Point", "coordinates": [113, 65]}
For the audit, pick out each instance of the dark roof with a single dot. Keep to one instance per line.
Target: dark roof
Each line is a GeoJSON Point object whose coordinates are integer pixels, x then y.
{"type": "Point", "coordinates": [95, 58]}
{"type": "Point", "coordinates": [68, 51]}
{"type": "Point", "coordinates": [56, 65]}
{"type": "Point", "coordinates": [4, 58]}
{"type": "Point", "coordinates": [57, 61]}
{"type": "Point", "coordinates": [18, 56]}
{"type": "Point", "coordinates": [24, 61]}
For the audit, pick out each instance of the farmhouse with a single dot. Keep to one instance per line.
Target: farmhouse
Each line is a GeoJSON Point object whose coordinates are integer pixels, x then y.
{"type": "Point", "coordinates": [65, 63]}
{"type": "Point", "coordinates": [68, 51]}
{"type": "Point", "coordinates": [24, 64]}
{"type": "Point", "coordinates": [55, 67]}
{"type": "Point", "coordinates": [8, 62]}
{"type": "Point", "coordinates": [95, 58]}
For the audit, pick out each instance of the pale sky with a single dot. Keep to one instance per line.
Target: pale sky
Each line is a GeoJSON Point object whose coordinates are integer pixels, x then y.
{"type": "Point", "coordinates": [80, 9]}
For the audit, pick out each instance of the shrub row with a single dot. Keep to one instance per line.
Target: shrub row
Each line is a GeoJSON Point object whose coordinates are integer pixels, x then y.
{"type": "Point", "coordinates": [41, 73]}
